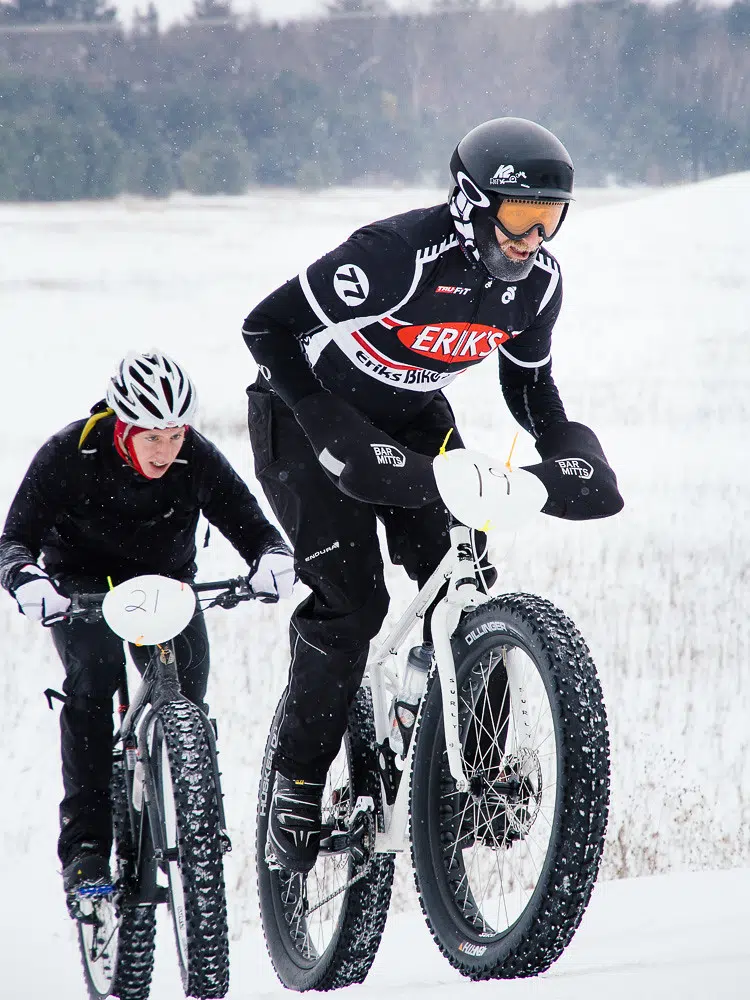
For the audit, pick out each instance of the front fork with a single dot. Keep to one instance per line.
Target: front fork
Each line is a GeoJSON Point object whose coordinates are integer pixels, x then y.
{"type": "Point", "coordinates": [462, 593]}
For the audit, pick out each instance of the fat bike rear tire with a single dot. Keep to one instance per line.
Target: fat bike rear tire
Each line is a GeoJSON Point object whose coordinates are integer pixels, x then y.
{"type": "Point", "coordinates": [505, 871]}
{"type": "Point", "coordinates": [189, 815]}
{"type": "Point", "coordinates": [116, 940]}
{"type": "Point", "coordinates": [323, 929]}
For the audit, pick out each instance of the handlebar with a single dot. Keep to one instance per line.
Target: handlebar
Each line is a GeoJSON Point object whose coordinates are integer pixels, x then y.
{"type": "Point", "coordinates": [88, 607]}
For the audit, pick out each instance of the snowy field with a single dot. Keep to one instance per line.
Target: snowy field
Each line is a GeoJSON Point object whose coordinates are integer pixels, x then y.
{"type": "Point", "coordinates": [652, 350]}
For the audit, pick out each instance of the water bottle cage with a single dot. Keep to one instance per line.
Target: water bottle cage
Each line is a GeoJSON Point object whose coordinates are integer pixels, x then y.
{"type": "Point", "coordinates": [406, 715]}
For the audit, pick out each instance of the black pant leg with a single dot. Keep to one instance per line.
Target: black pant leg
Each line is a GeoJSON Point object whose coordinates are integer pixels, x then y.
{"type": "Point", "coordinates": [337, 555]}
{"type": "Point", "coordinates": [94, 660]}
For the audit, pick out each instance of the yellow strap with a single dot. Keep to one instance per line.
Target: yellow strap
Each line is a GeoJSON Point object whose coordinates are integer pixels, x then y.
{"type": "Point", "coordinates": [93, 419]}
{"type": "Point", "coordinates": [510, 454]}
{"type": "Point", "coordinates": [445, 442]}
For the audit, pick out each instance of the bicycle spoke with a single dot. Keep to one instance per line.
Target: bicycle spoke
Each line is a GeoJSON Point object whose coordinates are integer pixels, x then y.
{"type": "Point", "coordinates": [498, 847]}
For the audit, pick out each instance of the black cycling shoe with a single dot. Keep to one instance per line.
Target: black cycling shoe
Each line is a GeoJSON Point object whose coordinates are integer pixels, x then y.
{"type": "Point", "coordinates": [87, 874]}
{"type": "Point", "coordinates": [294, 824]}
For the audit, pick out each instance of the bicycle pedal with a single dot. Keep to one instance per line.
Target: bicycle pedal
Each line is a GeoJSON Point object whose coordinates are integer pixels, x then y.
{"type": "Point", "coordinates": [354, 842]}
{"type": "Point", "coordinates": [93, 893]}
{"type": "Point", "coordinates": [336, 842]}
{"type": "Point", "coordinates": [272, 862]}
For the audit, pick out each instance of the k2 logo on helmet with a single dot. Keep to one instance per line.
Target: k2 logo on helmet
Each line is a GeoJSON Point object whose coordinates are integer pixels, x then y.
{"type": "Point", "coordinates": [575, 467]}
{"type": "Point", "coordinates": [506, 174]}
{"type": "Point", "coordinates": [351, 284]}
{"type": "Point", "coordinates": [386, 454]}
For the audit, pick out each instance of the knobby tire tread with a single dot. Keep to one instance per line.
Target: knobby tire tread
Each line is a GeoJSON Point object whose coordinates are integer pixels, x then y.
{"type": "Point", "coordinates": [578, 842]}
{"type": "Point", "coordinates": [363, 915]}
{"type": "Point", "coordinates": [137, 929]}
{"type": "Point", "coordinates": [200, 850]}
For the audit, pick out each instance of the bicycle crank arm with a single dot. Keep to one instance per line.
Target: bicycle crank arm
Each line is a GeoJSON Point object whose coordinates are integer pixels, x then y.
{"type": "Point", "coordinates": [354, 842]}
{"type": "Point", "coordinates": [357, 838]}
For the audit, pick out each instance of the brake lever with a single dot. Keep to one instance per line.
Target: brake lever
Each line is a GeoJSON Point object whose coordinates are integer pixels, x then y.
{"type": "Point", "coordinates": [49, 620]}
{"type": "Point", "coordinates": [86, 615]}
{"type": "Point", "coordinates": [265, 598]}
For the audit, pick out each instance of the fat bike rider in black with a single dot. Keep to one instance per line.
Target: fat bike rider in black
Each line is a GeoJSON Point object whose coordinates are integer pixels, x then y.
{"type": "Point", "coordinates": [117, 495]}
{"type": "Point", "coordinates": [348, 412]}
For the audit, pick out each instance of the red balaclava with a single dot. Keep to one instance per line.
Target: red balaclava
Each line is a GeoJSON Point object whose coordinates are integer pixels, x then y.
{"type": "Point", "coordinates": [124, 434]}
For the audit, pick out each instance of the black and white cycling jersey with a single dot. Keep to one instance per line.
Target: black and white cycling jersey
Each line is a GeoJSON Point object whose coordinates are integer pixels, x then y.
{"type": "Point", "coordinates": [397, 311]}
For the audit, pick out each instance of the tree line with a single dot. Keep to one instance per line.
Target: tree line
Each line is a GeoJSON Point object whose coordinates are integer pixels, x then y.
{"type": "Point", "coordinates": [364, 95]}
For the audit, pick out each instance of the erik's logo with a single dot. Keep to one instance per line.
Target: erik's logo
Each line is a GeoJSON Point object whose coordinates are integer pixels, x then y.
{"type": "Point", "coordinates": [575, 467]}
{"type": "Point", "coordinates": [386, 454]}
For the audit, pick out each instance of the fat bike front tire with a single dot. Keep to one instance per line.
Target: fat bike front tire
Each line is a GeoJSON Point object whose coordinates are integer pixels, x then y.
{"type": "Point", "coordinates": [189, 815]}
{"type": "Point", "coordinates": [505, 871]}
{"type": "Point", "coordinates": [323, 929]}
{"type": "Point", "coordinates": [117, 940]}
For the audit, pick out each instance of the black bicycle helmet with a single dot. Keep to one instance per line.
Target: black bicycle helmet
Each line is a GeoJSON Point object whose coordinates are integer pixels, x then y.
{"type": "Point", "coordinates": [501, 159]}
{"type": "Point", "coordinates": [512, 158]}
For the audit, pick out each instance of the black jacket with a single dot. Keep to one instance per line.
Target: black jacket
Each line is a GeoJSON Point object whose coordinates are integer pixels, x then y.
{"type": "Point", "coordinates": [85, 511]}
{"type": "Point", "coordinates": [396, 312]}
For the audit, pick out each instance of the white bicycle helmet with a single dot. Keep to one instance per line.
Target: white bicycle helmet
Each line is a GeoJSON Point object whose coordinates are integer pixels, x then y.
{"type": "Point", "coordinates": [151, 390]}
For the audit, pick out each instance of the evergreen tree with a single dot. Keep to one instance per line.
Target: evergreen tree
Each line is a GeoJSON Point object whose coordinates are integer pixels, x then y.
{"type": "Point", "coordinates": [66, 11]}
{"type": "Point", "coordinates": [146, 25]}
{"type": "Point", "coordinates": [340, 8]}
{"type": "Point", "coordinates": [213, 10]}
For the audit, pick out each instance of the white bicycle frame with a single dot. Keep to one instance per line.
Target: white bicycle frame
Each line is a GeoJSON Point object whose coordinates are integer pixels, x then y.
{"type": "Point", "coordinates": [457, 567]}
{"type": "Point", "coordinates": [474, 489]}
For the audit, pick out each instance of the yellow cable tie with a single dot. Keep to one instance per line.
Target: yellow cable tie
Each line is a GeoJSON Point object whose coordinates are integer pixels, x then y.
{"type": "Point", "coordinates": [109, 581]}
{"type": "Point", "coordinates": [445, 442]}
{"type": "Point", "coordinates": [139, 641]}
{"type": "Point", "coordinates": [487, 526]}
{"type": "Point", "coordinates": [510, 454]}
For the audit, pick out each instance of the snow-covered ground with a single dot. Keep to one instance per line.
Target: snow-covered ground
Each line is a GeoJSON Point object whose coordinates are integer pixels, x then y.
{"type": "Point", "coordinates": [659, 938]}
{"type": "Point", "coordinates": [652, 349]}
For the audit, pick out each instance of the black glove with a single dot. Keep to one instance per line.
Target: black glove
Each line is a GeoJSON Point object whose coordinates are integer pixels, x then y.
{"type": "Point", "coordinates": [579, 480]}
{"type": "Point", "coordinates": [364, 462]}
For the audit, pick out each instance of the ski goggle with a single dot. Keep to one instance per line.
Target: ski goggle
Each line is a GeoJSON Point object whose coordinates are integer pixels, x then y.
{"type": "Point", "coordinates": [517, 218]}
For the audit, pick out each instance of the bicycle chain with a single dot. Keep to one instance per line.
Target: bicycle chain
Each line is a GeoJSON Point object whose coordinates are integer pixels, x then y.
{"type": "Point", "coordinates": [343, 888]}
